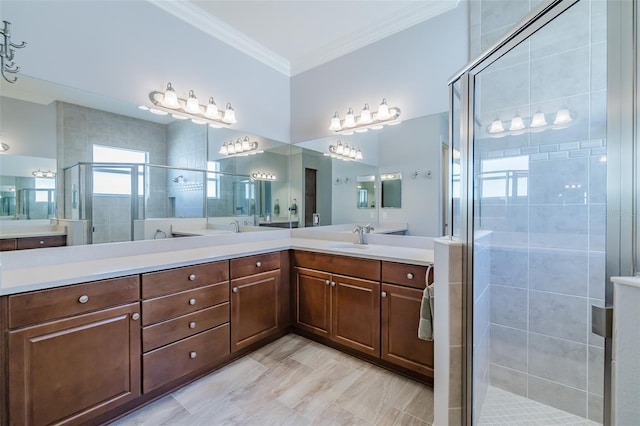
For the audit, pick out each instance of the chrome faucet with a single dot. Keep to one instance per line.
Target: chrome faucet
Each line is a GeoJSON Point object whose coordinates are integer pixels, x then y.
{"type": "Point", "coordinates": [236, 226]}
{"type": "Point", "coordinates": [360, 231]}
{"type": "Point", "coordinates": [368, 228]}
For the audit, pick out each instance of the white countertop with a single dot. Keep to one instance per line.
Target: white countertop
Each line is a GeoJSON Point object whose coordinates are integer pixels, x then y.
{"type": "Point", "coordinates": [17, 275]}
{"type": "Point", "coordinates": [629, 281]}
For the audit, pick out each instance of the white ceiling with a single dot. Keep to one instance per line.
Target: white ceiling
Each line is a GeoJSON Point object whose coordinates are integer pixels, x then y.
{"type": "Point", "coordinates": [293, 36]}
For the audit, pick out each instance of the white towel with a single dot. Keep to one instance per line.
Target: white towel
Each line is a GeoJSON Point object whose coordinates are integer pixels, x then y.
{"type": "Point", "coordinates": [425, 326]}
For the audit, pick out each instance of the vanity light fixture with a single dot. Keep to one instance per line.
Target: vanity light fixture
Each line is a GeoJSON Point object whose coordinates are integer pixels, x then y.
{"type": "Point", "coordinates": [344, 152]}
{"type": "Point", "coordinates": [47, 175]}
{"type": "Point", "coordinates": [366, 120]}
{"type": "Point", "coordinates": [168, 102]}
{"type": "Point", "coordinates": [390, 176]}
{"type": "Point", "coordinates": [7, 66]}
{"type": "Point", "coordinates": [3, 146]}
{"type": "Point", "coordinates": [263, 176]}
{"type": "Point", "coordinates": [538, 123]}
{"type": "Point", "coordinates": [241, 147]}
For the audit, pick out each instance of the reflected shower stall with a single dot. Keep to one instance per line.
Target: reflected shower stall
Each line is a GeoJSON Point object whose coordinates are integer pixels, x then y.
{"type": "Point", "coordinates": [529, 170]}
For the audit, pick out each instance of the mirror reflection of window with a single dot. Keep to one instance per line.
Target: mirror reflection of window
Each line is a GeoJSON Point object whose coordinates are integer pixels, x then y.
{"type": "Point", "coordinates": [213, 179]}
{"type": "Point", "coordinates": [391, 184]}
{"type": "Point", "coordinates": [113, 180]}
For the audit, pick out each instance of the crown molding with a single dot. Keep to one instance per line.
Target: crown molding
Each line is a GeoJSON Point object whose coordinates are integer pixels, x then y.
{"type": "Point", "coordinates": [401, 20]}
{"type": "Point", "coordinates": [213, 26]}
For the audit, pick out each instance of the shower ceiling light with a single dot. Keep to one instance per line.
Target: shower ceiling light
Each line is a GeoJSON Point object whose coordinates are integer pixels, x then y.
{"type": "Point", "coordinates": [367, 120]}
{"type": "Point", "coordinates": [344, 152]}
{"type": "Point", "coordinates": [168, 102]}
{"type": "Point", "coordinates": [240, 147]}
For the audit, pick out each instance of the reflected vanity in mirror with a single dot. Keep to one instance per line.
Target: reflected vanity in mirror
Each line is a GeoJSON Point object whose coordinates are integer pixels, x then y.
{"type": "Point", "coordinates": [391, 192]}
{"type": "Point", "coordinates": [366, 192]}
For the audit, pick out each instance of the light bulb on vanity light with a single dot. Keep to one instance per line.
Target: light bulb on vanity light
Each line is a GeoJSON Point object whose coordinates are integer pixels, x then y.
{"type": "Point", "coordinates": [192, 107]}
{"type": "Point", "coordinates": [223, 149]}
{"type": "Point", "coordinates": [383, 110]}
{"type": "Point", "coordinates": [246, 145]}
{"type": "Point", "coordinates": [349, 119]}
{"type": "Point", "coordinates": [538, 120]}
{"type": "Point", "coordinates": [340, 148]}
{"type": "Point", "coordinates": [170, 99]}
{"type": "Point", "coordinates": [563, 116]}
{"type": "Point", "coordinates": [496, 126]}
{"type": "Point", "coordinates": [229, 115]}
{"type": "Point", "coordinates": [231, 148]}
{"type": "Point", "coordinates": [212, 109]}
{"type": "Point", "coordinates": [365, 115]}
{"type": "Point", "coordinates": [335, 123]}
{"type": "Point", "coordinates": [516, 123]}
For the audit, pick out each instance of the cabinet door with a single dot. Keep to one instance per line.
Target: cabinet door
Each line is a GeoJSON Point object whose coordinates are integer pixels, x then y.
{"type": "Point", "coordinates": [313, 303]}
{"type": "Point", "coordinates": [254, 308]}
{"type": "Point", "coordinates": [71, 370]}
{"type": "Point", "coordinates": [400, 318]}
{"type": "Point", "coordinates": [356, 313]}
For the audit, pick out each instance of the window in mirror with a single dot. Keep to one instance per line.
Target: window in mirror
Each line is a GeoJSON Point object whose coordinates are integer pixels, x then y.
{"type": "Point", "coordinates": [366, 187]}
{"type": "Point", "coordinates": [44, 185]}
{"type": "Point", "coordinates": [391, 184]}
{"type": "Point", "coordinates": [213, 179]}
{"type": "Point", "coordinates": [117, 180]}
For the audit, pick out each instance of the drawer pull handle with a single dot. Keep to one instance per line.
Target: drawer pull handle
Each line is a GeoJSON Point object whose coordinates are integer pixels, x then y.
{"type": "Point", "coordinates": [235, 289]}
{"type": "Point", "coordinates": [383, 294]}
{"type": "Point", "coordinates": [83, 299]}
{"type": "Point", "coordinates": [192, 354]}
{"type": "Point", "coordinates": [192, 324]}
{"type": "Point", "coordinates": [192, 301]}
{"type": "Point", "coordinates": [192, 277]}
{"type": "Point", "coordinates": [410, 275]}
{"type": "Point", "coordinates": [41, 242]}
{"type": "Point", "coordinates": [327, 282]}
{"type": "Point", "coordinates": [333, 283]}
{"type": "Point", "coordinates": [258, 264]}
{"type": "Point", "coordinates": [135, 316]}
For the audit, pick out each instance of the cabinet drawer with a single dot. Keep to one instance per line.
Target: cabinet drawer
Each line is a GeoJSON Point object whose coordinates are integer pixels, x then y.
{"type": "Point", "coordinates": [254, 264]}
{"type": "Point", "coordinates": [41, 242]}
{"type": "Point", "coordinates": [183, 357]}
{"type": "Point", "coordinates": [164, 282]}
{"type": "Point", "coordinates": [174, 305]}
{"type": "Point", "coordinates": [8, 244]}
{"type": "Point", "coordinates": [409, 275]}
{"type": "Point", "coordinates": [344, 265]}
{"type": "Point", "coordinates": [31, 308]}
{"type": "Point", "coordinates": [170, 331]}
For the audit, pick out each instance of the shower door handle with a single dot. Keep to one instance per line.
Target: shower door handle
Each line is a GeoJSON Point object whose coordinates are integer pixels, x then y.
{"type": "Point", "coordinates": [602, 321]}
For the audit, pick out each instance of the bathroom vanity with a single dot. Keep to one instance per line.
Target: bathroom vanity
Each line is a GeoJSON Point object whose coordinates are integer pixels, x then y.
{"type": "Point", "coordinates": [107, 346]}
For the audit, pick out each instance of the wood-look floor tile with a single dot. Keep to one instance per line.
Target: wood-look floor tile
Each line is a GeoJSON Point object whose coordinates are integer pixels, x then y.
{"type": "Point", "coordinates": [395, 417]}
{"type": "Point", "coordinates": [337, 416]}
{"type": "Point", "coordinates": [165, 411]}
{"type": "Point", "coordinates": [277, 351]}
{"type": "Point", "coordinates": [421, 406]}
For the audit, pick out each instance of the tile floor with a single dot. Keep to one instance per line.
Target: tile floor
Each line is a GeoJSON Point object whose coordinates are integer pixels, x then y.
{"type": "Point", "coordinates": [293, 381]}
{"type": "Point", "coordinates": [505, 408]}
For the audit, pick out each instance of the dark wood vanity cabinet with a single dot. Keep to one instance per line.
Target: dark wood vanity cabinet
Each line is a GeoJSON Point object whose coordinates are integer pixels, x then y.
{"type": "Point", "coordinates": [259, 298]}
{"type": "Point", "coordinates": [69, 362]}
{"type": "Point", "coordinates": [25, 243]}
{"type": "Point", "coordinates": [400, 317]}
{"type": "Point", "coordinates": [333, 301]}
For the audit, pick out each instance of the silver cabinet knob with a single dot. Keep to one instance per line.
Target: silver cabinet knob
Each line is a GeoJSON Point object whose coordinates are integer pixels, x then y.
{"type": "Point", "coordinates": [41, 242]}
{"type": "Point", "coordinates": [192, 301]}
{"type": "Point", "coordinates": [258, 264]}
{"type": "Point", "coordinates": [192, 354]}
{"type": "Point", "coordinates": [135, 316]}
{"type": "Point", "coordinates": [333, 283]}
{"type": "Point", "coordinates": [383, 294]}
{"type": "Point", "coordinates": [192, 324]}
{"type": "Point", "coordinates": [192, 277]}
{"type": "Point", "coordinates": [410, 275]}
{"type": "Point", "coordinates": [83, 299]}
{"type": "Point", "coordinates": [235, 289]}
{"type": "Point", "coordinates": [327, 282]}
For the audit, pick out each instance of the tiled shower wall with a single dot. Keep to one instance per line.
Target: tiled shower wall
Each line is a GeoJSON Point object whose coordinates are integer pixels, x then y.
{"type": "Point", "coordinates": [547, 248]}
{"type": "Point", "coordinates": [80, 128]}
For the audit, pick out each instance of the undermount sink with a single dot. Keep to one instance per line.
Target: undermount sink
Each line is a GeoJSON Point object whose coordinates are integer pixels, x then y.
{"type": "Point", "coordinates": [348, 246]}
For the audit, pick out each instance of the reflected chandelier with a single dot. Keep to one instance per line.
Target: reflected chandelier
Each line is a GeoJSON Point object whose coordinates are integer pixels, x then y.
{"type": "Point", "coordinates": [366, 120]}
{"type": "Point", "coordinates": [168, 102]}
{"type": "Point", "coordinates": [6, 53]}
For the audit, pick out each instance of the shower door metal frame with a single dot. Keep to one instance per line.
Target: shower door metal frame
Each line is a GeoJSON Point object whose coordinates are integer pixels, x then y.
{"type": "Point", "coordinates": [621, 126]}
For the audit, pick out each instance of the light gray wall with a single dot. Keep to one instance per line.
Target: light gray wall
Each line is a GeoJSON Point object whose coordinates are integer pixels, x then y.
{"type": "Point", "coordinates": [28, 128]}
{"type": "Point", "coordinates": [410, 69]}
{"type": "Point", "coordinates": [344, 205]}
{"type": "Point", "coordinates": [126, 49]}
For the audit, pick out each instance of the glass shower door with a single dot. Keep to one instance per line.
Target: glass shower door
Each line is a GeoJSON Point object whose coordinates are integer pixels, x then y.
{"type": "Point", "coordinates": [539, 214]}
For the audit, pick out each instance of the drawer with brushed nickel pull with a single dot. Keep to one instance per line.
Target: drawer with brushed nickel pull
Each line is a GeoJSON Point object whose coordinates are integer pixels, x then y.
{"type": "Point", "coordinates": [169, 331]}
{"type": "Point", "coordinates": [184, 302]}
{"type": "Point", "coordinates": [45, 305]}
{"type": "Point", "coordinates": [159, 283]}
{"type": "Point", "coordinates": [250, 265]}
{"type": "Point", "coordinates": [404, 274]}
